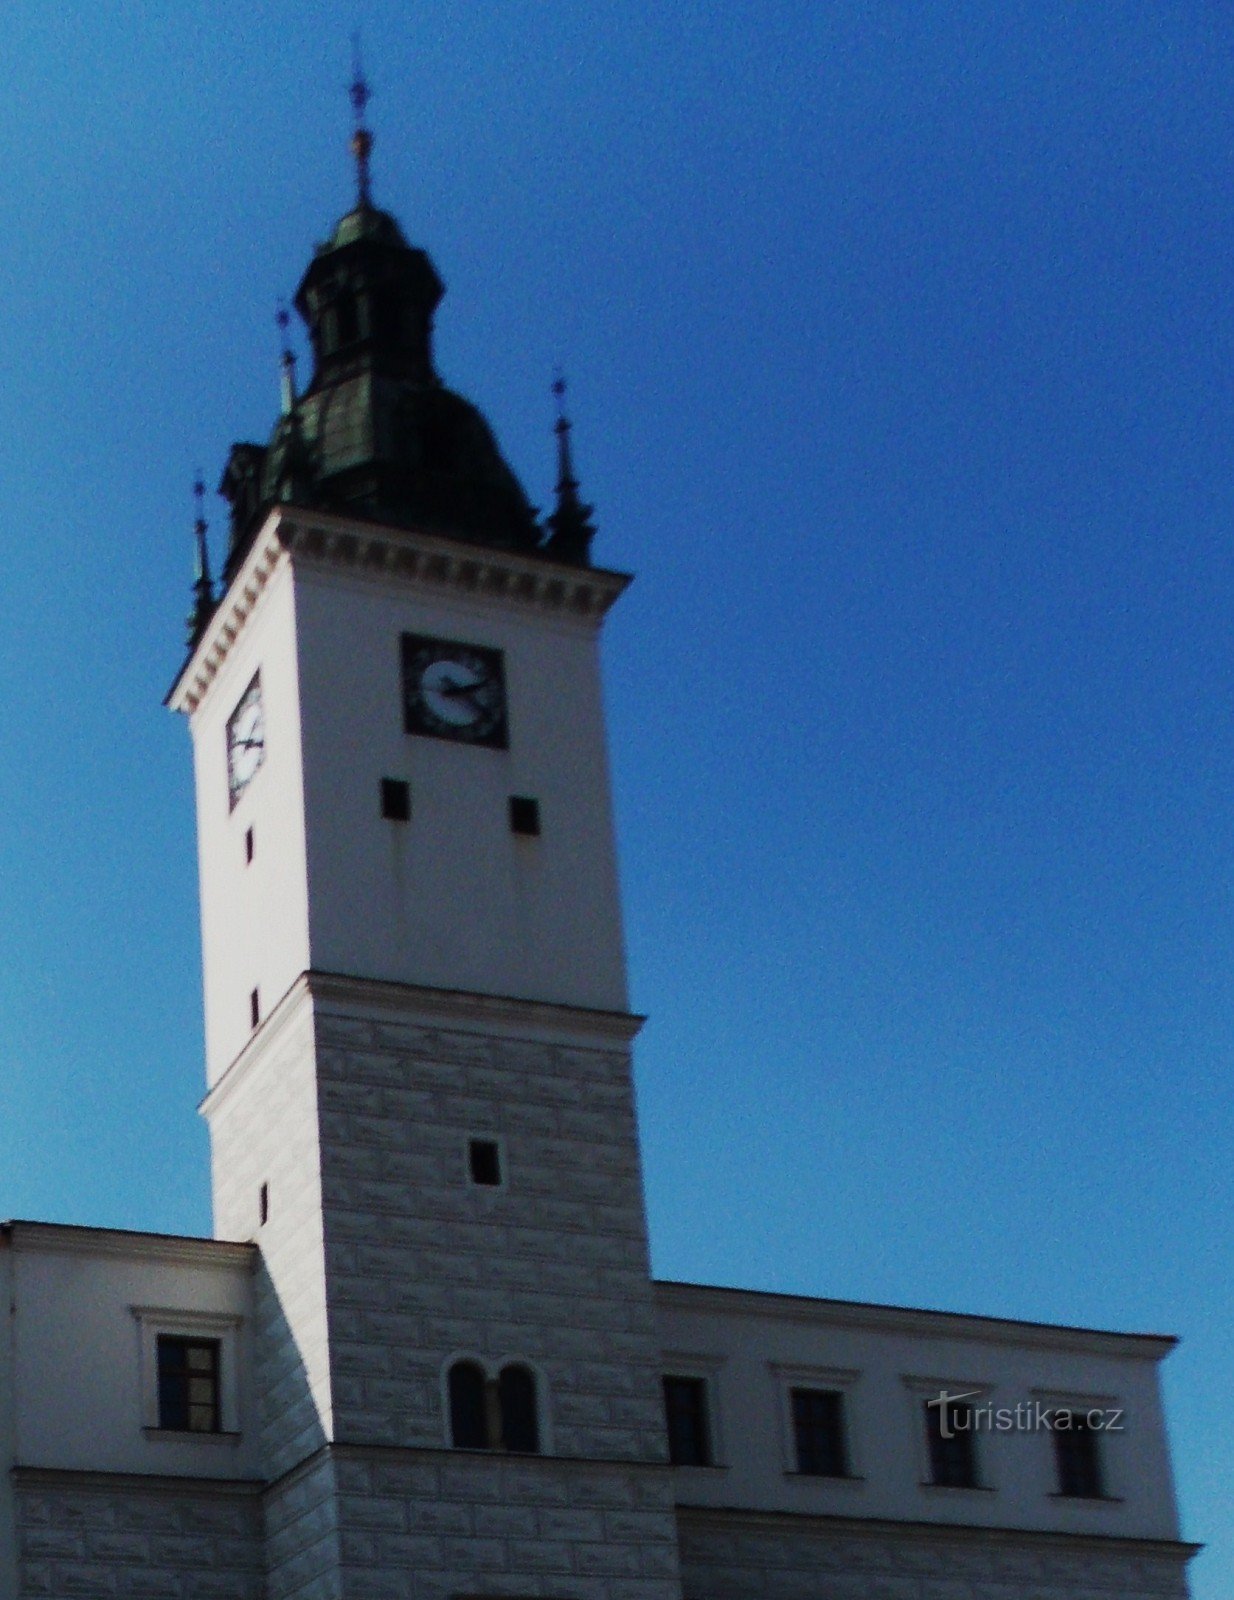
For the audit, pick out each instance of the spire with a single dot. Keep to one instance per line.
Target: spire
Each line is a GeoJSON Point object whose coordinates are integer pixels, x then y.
{"type": "Point", "coordinates": [361, 139]}
{"type": "Point", "coordinates": [203, 585]}
{"type": "Point", "coordinates": [570, 524]}
{"type": "Point", "coordinates": [288, 362]}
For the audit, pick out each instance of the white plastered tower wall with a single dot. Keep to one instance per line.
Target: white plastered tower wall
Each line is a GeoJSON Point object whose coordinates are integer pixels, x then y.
{"type": "Point", "coordinates": [458, 980]}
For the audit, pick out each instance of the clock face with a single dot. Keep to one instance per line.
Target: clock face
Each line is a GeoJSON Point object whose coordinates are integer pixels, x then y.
{"type": "Point", "coordinates": [246, 740]}
{"type": "Point", "coordinates": [454, 691]}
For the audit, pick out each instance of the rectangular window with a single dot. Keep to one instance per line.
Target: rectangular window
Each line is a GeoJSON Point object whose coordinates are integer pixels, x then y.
{"type": "Point", "coordinates": [685, 1409]}
{"type": "Point", "coordinates": [484, 1162]}
{"type": "Point", "coordinates": [818, 1431]}
{"type": "Point", "coordinates": [524, 814]}
{"type": "Point", "coordinates": [248, 847]}
{"type": "Point", "coordinates": [254, 1008]}
{"type": "Point", "coordinates": [395, 800]}
{"type": "Point", "coordinates": [1077, 1456]}
{"type": "Point", "coordinates": [188, 1384]}
{"type": "Point", "coordinates": [953, 1453]}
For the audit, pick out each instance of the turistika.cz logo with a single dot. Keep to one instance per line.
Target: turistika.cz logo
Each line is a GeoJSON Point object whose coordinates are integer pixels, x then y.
{"type": "Point", "coordinates": [957, 1415]}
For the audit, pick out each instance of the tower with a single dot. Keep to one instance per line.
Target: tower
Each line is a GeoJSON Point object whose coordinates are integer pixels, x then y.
{"type": "Point", "coordinates": [417, 1031]}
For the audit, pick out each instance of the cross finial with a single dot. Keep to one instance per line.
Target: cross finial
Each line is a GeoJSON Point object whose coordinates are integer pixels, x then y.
{"type": "Point", "coordinates": [361, 139]}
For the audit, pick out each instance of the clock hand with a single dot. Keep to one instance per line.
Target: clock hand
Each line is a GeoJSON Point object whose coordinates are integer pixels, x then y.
{"type": "Point", "coordinates": [463, 688]}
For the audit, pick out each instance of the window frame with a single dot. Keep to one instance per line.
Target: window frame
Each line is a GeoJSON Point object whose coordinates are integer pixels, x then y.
{"type": "Point", "coordinates": [844, 1380]}
{"type": "Point", "coordinates": [223, 1328]}
{"type": "Point", "coordinates": [976, 1393]}
{"type": "Point", "coordinates": [492, 1371]}
{"type": "Point", "coordinates": [1109, 1468]}
{"type": "Point", "coordinates": [186, 1371]}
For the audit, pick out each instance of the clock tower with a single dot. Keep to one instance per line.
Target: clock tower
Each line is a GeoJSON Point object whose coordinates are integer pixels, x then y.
{"type": "Point", "coordinates": [417, 1030]}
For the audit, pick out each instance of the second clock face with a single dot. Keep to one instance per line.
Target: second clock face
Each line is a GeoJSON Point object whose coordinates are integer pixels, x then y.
{"type": "Point", "coordinates": [453, 690]}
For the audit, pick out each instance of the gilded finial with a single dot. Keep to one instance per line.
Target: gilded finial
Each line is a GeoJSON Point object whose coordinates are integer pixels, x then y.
{"type": "Point", "coordinates": [203, 584]}
{"type": "Point", "coordinates": [361, 139]}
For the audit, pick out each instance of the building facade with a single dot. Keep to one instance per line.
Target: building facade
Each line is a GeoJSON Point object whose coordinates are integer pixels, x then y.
{"type": "Point", "coordinates": [423, 1354]}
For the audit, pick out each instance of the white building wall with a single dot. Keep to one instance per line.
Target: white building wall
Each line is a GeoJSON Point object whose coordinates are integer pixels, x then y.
{"type": "Point", "coordinates": [254, 916]}
{"type": "Point", "coordinates": [453, 899]}
{"type": "Point", "coordinates": [81, 1374]}
{"type": "Point", "coordinates": [752, 1348]}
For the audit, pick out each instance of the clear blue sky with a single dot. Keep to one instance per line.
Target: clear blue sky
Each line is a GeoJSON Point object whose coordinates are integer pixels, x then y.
{"type": "Point", "coordinates": [901, 350]}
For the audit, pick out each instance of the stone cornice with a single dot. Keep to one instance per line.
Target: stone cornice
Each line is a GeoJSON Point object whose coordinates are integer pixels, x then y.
{"type": "Point", "coordinates": [457, 1008]}
{"type": "Point", "coordinates": [370, 550]}
{"type": "Point", "coordinates": [67, 1239]}
{"type": "Point", "coordinates": [735, 1518]}
{"type": "Point", "coordinates": [708, 1300]}
{"type": "Point", "coordinates": [134, 1482]}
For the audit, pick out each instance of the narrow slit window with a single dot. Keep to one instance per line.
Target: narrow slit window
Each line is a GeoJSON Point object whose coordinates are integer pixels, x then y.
{"type": "Point", "coordinates": [395, 800]}
{"type": "Point", "coordinates": [254, 1008]}
{"type": "Point", "coordinates": [263, 1204]}
{"type": "Point", "coordinates": [524, 815]}
{"type": "Point", "coordinates": [484, 1162]}
{"type": "Point", "coordinates": [248, 847]}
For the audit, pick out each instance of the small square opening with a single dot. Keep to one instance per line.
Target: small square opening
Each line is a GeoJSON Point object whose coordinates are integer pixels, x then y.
{"type": "Point", "coordinates": [524, 814]}
{"type": "Point", "coordinates": [395, 800]}
{"type": "Point", "coordinates": [484, 1162]}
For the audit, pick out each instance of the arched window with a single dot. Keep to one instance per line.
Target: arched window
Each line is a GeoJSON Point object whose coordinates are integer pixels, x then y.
{"type": "Point", "coordinates": [493, 1413]}
{"type": "Point", "coordinates": [520, 1427]}
{"type": "Point", "coordinates": [469, 1429]}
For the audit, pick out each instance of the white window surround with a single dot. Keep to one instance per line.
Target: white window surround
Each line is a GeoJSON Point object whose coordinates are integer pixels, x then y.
{"type": "Point", "coordinates": [707, 1367]}
{"type": "Point", "coordinates": [225, 1327]}
{"type": "Point", "coordinates": [1107, 1442]}
{"type": "Point", "coordinates": [785, 1378]}
{"type": "Point", "coordinates": [492, 1370]}
{"type": "Point", "coordinates": [976, 1392]}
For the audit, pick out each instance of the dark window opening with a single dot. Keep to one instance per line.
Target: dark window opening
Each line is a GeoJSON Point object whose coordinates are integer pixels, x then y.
{"type": "Point", "coordinates": [494, 1414]}
{"type": "Point", "coordinates": [347, 319]}
{"type": "Point", "coordinates": [685, 1409]}
{"type": "Point", "coordinates": [524, 814]}
{"type": "Point", "coordinates": [248, 847]}
{"type": "Point", "coordinates": [468, 1407]}
{"type": "Point", "coordinates": [1077, 1456]}
{"type": "Point", "coordinates": [484, 1162]}
{"type": "Point", "coordinates": [395, 800]}
{"type": "Point", "coordinates": [188, 1384]}
{"type": "Point", "coordinates": [254, 1008]}
{"type": "Point", "coordinates": [953, 1451]}
{"type": "Point", "coordinates": [818, 1429]}
{"type": "Point", "coordinates": [263, 1204]}
{"type": "Point", "coordinates": [520, 1427]}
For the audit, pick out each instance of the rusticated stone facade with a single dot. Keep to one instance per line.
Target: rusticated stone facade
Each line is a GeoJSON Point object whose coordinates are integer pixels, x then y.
{"type": "Point", "coordinates": [104, 1534]}
{"type": "Point", "coordinates": [739, 1556]}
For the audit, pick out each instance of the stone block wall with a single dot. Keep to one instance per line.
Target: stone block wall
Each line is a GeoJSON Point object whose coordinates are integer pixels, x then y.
{"type": "Point", "coordinates": [263, 1130]}
{"type": "Point", "coordinates": [422, 1265]}
{"type": "Point", "coordinates": [86, 1535]}
{"type": "Point", "coordinates": [470, 1525]}
{"type": "Point", "coordinates": [744, 1556]}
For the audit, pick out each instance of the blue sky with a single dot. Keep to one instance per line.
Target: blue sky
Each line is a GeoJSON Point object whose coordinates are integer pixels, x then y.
{"type": "Point", "coordinates": [900, 346]}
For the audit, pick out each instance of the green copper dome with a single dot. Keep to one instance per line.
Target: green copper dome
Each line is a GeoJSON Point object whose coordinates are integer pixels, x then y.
{"type": "Point", "coordinates": [376, 434]}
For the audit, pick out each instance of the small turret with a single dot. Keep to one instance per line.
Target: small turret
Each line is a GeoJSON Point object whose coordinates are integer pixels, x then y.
{"type": "Point", "coordinates": [203, 585]}
{"type": "Point", "coordinates": [571, 528]}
